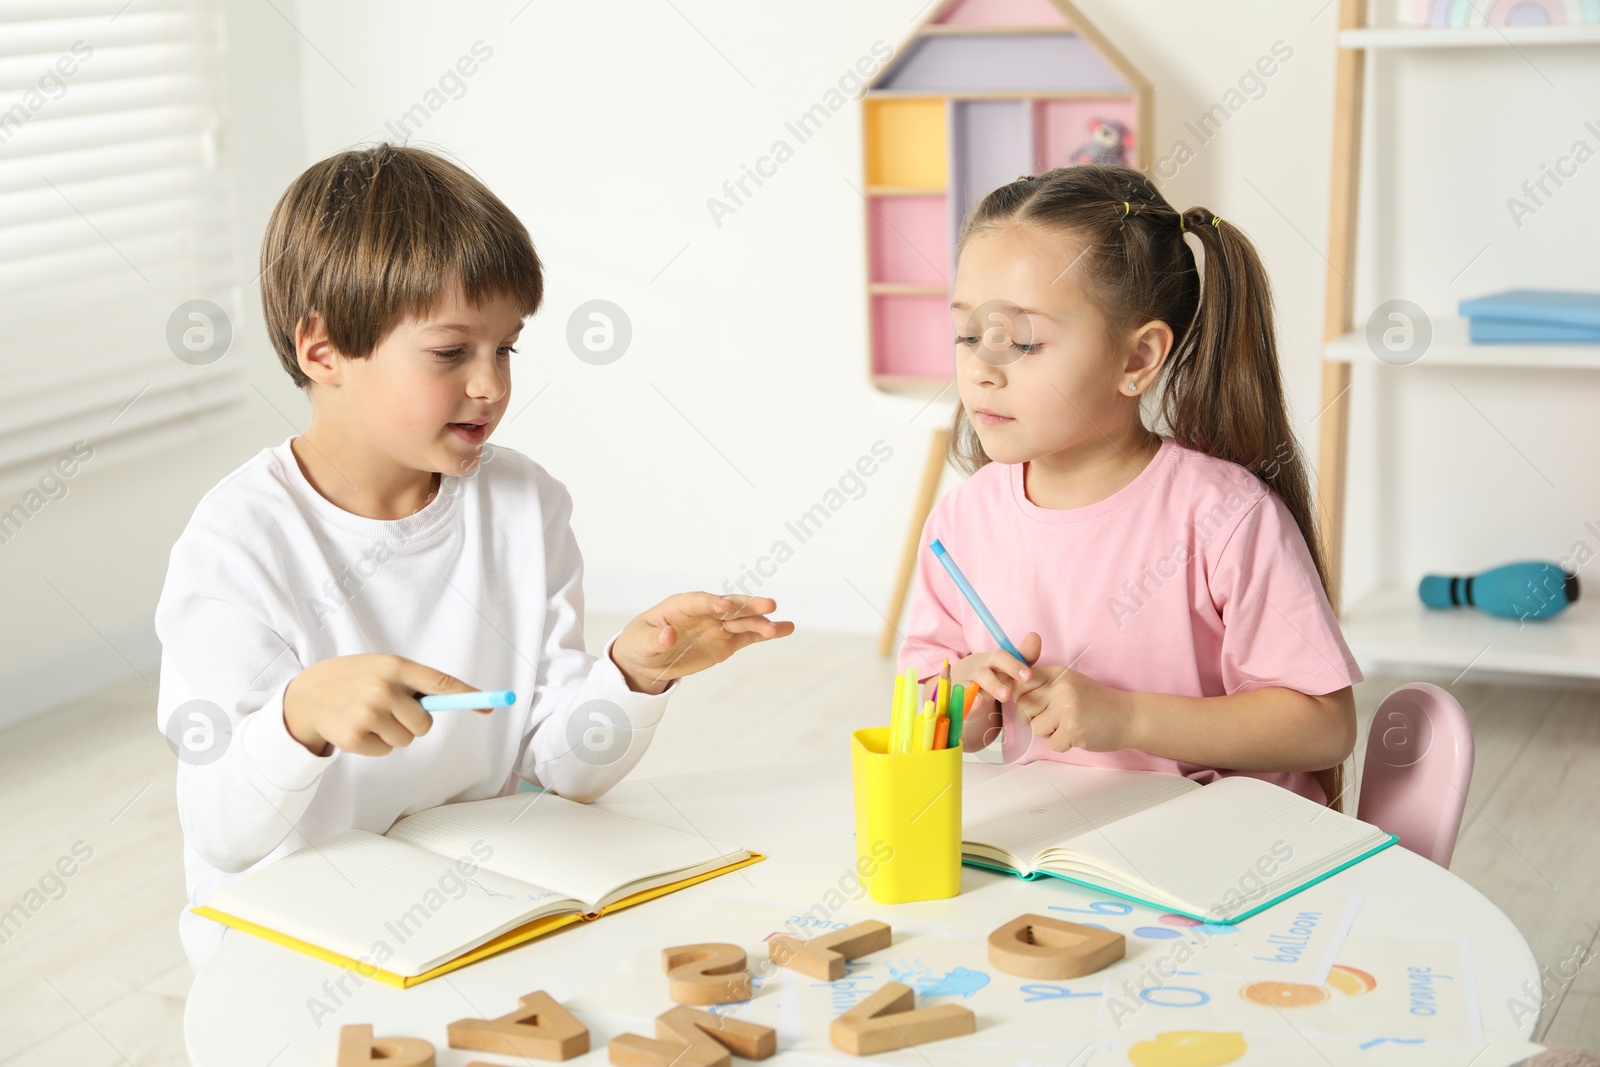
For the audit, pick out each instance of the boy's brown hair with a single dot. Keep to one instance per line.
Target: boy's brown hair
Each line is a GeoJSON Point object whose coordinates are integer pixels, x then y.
{"type": "Point", "coordinates": [373, 236]}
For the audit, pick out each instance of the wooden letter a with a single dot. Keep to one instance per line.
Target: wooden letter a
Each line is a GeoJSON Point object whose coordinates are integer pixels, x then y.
{"type": "Point", "coordinates": [541, 1029]}
{"type": "Point", "coordinates": [889, 1019]}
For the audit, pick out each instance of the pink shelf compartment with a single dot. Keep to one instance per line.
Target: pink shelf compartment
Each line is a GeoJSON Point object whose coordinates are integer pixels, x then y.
{"type": "Point", "coordinates": [912, 336]}
{"type": "Point", "coordinates": [909, 237]}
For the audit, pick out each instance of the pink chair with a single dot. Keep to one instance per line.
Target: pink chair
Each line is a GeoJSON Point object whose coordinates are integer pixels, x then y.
{"type": "Point", "coordinates": [1417, 768]}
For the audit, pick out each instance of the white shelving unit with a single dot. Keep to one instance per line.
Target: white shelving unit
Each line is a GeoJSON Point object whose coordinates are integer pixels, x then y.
{"type": "Point", "coordinates": [1476, 37]}
{"type": "Point", "coordinates": [1389, 624]}
{"type": "Point", "coordinates": [1450, 347]}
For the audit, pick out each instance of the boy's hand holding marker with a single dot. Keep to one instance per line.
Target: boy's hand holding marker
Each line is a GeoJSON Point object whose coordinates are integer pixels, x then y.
{"type": "Point", "coordinates": [366, 703]}
{"type": "Point", "coordinates": [688, 632]}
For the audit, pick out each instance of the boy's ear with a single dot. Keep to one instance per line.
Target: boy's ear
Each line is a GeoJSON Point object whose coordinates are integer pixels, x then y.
{"type": "Point", "coordinates": [316, 356]}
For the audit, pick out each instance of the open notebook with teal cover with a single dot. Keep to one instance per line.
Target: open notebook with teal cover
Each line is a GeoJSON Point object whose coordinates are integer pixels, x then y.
{"type": "Point", "coordinates": [1218, 853]}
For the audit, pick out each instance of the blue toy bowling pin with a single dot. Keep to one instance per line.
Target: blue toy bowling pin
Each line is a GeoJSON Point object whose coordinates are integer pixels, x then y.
{"type": "Point", "coordinates": [1528, 590]}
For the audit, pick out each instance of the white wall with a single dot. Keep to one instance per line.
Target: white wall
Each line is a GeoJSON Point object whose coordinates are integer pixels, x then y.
{"type": "Point", "coordinates": [744, 396]}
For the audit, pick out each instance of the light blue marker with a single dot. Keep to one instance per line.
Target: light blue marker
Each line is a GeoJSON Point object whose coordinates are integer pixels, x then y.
{"type": "Point", "coordinates": [498, 698]}
{"type": "Point", "coordinates": [972, 598]}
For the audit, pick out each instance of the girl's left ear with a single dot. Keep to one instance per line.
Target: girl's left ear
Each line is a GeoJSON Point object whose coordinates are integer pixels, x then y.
{"type": "Point", "coordinates": [1151, 344]}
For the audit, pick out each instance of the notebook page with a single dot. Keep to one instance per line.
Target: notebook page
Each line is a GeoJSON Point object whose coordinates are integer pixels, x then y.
{"type": "Point", "coordinates": [1231, 845]}
{"type": "Point", "coordinates": [583, 851]}
{"type": "Point", "coordinates": [1033, 807]}
{"type": "Point", "coordinates": [358, 891]}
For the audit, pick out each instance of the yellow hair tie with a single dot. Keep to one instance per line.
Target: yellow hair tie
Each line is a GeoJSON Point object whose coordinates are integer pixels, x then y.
{"type": "Point", "coordinates": [1181, 227]}
{"type": "Point", "coordinates": [1125, 209]}
{"type": "Point", "coordinates": [1215, 219]}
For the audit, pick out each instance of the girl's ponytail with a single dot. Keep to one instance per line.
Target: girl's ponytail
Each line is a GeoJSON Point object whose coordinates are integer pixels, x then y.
{"type": "Point", "coordinates": [1223, 391]}
{"type": "Point", "coordinates": [1229, 367]}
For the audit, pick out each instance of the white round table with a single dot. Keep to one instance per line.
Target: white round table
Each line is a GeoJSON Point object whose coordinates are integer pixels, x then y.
{"type": "Point", "coordinates": [250, 1004]}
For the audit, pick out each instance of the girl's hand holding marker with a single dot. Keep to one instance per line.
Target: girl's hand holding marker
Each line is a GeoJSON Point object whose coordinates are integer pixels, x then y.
{"type": "Point", "coordinates": [1075, 711]}
{"type": "Point", "coordinates": [1070, 708]}
{"type": "Point", "coordinates": [996, 676]}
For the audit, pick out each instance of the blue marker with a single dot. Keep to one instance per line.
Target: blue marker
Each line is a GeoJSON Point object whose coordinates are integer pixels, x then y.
{"type": "Point", "coordinates": [499, 698]}
{"type": "Point", "coordinates": [972, 598]}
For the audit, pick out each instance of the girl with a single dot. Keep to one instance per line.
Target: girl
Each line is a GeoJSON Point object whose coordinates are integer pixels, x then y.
{"type": "Point", "coordinates": [1172, 583]}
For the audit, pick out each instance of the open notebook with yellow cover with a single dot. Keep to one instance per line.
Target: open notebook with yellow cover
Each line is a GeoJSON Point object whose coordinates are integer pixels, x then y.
{"type": "Point", "coordinates": [453, 884]}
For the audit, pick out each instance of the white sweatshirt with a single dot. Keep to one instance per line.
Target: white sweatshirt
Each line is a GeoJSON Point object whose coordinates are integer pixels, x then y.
{"type": "Point", "coordinates": [484, 583]}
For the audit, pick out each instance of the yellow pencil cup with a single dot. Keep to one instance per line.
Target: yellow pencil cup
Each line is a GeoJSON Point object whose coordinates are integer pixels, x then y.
{"type": "Point", "coordinates": [908, 819]}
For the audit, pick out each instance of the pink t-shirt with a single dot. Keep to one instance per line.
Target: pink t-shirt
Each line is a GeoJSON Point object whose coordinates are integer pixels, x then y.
{"type": "Point", "coordinates": [1192, 579]}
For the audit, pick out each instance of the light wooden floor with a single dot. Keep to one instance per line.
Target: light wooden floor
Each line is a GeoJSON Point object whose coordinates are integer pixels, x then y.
{"type": "Point", "coordinates": [97, 977]}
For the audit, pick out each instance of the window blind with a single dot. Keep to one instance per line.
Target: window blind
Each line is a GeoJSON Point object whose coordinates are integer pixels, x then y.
{"type": "Point", "coordinates": [115, 215]}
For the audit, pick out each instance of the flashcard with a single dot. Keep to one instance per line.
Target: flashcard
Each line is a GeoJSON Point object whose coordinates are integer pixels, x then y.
{"type": "Point", "coordinates": [1202, 1048]}
{"type": "Point", "coordinates": [1397, 988]}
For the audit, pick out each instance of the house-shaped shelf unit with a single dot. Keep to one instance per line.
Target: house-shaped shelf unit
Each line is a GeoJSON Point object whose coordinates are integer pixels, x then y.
{"type": "Point", "coordinates": [982, 92]}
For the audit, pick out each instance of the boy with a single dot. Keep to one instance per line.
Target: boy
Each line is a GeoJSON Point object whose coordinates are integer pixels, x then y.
{"type": "Point", "coordinates": [388, 552]}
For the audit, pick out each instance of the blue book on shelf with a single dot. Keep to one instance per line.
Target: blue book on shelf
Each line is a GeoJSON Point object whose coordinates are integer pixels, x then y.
{"type": "Point", "coordinates": [1501, 331]}
{"type": "Point", "coordinates": [1570, 307]}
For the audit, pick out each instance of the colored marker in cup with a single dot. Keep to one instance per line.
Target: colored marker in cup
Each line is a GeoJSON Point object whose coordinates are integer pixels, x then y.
{"type": "Point", "coordinates": [496, 698]}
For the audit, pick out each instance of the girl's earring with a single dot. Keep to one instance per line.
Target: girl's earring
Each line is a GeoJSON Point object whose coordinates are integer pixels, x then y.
{"type": "Point", "coordinates": [1132, 386]}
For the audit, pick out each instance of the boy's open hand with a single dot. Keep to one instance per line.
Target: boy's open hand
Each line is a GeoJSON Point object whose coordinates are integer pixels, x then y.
{"type": "Point", "coordinates": [366, 704]}
{"type": "Point", "coordinates": [1075, 711]}
{"type": "Point", "coordinates": [688, 632]}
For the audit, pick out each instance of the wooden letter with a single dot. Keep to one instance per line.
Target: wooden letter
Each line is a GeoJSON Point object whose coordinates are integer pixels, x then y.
{"type": "Point", "coordinates": [707, 973]}
{"type": "Point", "coordinates": [868, 1027]}
{"type": "Point", "coordinates": [1037, 946]}
{"type": "Point", "coordinates": [357, 1048]}
{"type": "Point", "coordinates": [748, 1040]}
{"type": "Point", "coordinates": [688, 1037]}
{"type": "Point", "coordinates": [823, 958]}
{"type": "Point", "coordinates": [541, 1028]}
